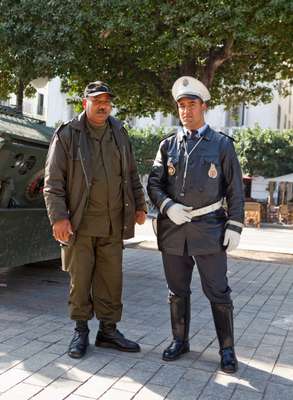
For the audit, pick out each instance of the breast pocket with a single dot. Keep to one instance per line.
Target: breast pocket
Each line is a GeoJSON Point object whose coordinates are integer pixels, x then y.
{"type": "Point", "coordinates": [211, 171]}
{"type": "Point", "coordinates": [172, 168]}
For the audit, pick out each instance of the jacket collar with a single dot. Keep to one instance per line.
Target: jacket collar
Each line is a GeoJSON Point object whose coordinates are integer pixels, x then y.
{"type": "Point", "coordinates": [206, 134]}
{"type": "Point", "coordinates": [79, 122]}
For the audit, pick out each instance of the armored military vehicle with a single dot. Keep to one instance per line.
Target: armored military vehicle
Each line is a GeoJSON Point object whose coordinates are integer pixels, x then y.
{"type": "Point", "coordinates": [25, 232]}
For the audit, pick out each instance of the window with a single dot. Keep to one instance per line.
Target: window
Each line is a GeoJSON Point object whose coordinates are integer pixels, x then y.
{"type": "Point", "coordinates": [40, 108]}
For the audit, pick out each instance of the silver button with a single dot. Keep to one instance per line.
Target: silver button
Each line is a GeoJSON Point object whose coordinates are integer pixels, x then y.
{"type": "Point", "coordinates": [126, 204]}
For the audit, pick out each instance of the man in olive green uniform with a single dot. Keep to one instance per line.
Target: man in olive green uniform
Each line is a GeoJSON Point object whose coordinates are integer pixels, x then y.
{"type": "Point", "coordinates": [94, 197]}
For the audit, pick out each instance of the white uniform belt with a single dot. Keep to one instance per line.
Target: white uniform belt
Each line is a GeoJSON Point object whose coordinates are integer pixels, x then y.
{"type": "Point", "coordinates": [206, 210]}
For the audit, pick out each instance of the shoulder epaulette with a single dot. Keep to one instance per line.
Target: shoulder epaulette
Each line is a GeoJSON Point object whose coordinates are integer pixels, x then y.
{"type": "Point", "coordinates": [172, 133]}
{"type": "Point", "coordinates": [61, 126]}
{"type": "Point", "coordinates": [225, 134]}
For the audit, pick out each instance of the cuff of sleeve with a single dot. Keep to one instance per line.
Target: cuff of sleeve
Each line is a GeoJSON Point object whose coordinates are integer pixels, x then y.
{"type": "Point", "coordinates": [166, 204]}
{"type": "Point", "coordinates": [234, 226]}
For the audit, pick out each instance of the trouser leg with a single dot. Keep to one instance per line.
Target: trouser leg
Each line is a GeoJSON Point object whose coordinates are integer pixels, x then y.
{"type": "Point", "coordinates": [213, 274]}
{"type": "Point", "coordinates": [81, 267]}
{"type": "Point", "coordinates": [178, 272]}
{"type": "Point", "coordinates": [107, 279]}
{"type": "Point", "coordinates": [107, 292]}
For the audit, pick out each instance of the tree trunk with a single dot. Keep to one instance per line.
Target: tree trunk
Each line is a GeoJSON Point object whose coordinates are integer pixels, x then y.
{"type": "Point", "coordinates": [19, 96]}
{"type": "Point", "coordinates": [215, 59]}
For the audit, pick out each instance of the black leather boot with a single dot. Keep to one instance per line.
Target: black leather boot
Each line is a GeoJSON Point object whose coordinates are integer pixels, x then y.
{"type": "Point", "coordinates": [80, 341]}
{"type": "Point", "coordinates": [109, 336]}
{"type": "Point", "coordinates": [223, 318]}
{"type": "Point", "coordinates": [180, 320]}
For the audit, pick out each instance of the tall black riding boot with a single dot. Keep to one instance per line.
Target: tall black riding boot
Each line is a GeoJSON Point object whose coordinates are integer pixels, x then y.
{"type": "Point", "coordinates": [180, 320]}
{"type": "Point", "coordinates": [109, 336]}
{"type": "Point", "coordinates": [223, 318]}
{"type": "Point", "coordinates": [80, 341]}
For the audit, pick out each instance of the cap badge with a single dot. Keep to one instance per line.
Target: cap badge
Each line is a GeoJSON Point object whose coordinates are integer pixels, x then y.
{"type": "Point", "coordinates": [213, 173]}
{"type": "Point", "coordinates": [171, 169]}
{"type": "Point", "coordinates": [185, 82]}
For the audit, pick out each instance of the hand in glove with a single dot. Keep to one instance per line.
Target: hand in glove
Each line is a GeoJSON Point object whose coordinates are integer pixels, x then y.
{"type": "Point", "coordinates": [179, 214]}
{"type": "Point", "coordinates": [231, 239]}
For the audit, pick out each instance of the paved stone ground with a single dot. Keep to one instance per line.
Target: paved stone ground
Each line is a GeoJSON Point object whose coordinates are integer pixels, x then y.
{"type": "Point", "coordinates": [35, 331]}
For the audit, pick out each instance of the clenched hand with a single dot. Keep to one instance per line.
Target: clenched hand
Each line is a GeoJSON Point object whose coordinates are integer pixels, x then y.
{"type": "Point", "coordinates": [62, 230]}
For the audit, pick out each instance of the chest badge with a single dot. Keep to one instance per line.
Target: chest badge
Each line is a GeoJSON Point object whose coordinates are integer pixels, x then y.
{"type": "Point", "coordinates": [171, 169]}
{"type": "Point", "coordinates": [213, 173]}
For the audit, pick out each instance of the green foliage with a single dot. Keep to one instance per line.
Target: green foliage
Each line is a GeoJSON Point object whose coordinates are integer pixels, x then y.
{"type": "Point", "coordinates": [262, 152]}
{"type": "Point", "coordinates": [265, 152]}
{"type": "Point", "coordinates": [145, 143]}
{"type": "Point", "coordinates": [33, 42]}
{"type": "Point", "coordinates": [141, 46]}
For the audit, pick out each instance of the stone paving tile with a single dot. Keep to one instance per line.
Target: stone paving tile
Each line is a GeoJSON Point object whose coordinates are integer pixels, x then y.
{"type": "Point", "coordinates": [278, 392]}
{"type": "Point", "coordinates": [152, 392]}
{"type": "Point", "coordinates": [37, 361]}
{"type": "Point", "coordinates": [8, 361]}
{"type": "Point", "coordinates": [10, 378]}
{"type": "Point", "coordinates": [22, 391]}
{"type": "Point", "coordinates": [35, 342]}
{"type": "Point", "coordinates": [215, 388]}
{"type": "Point", "coordinates": [76, 397]}
{"type": "Point", "coordinates": [115, 394]}
{"type": "Point", "coordinates": [282, 375]}
{"type": "Point", "coordinates": [57, 348]}
{"type": "Point", "coordinates": [56, 393]}
{"type": "Point", "coordinates": [87, 367]}
{"type": "Point", "coordinates": [118, 367]}
{"type": "Point", "coordinates": [133, 380]}
{"type": "Point", "coordinates": [29, 349]}
{"type": "Point", "coordinates": [167, 375]}
{"type": "Point", "coordinates": [45, 375]}
{"type": "Point", "coordinates": [243, 394]}
{"type": "Point", "coordinates": [96, 386]}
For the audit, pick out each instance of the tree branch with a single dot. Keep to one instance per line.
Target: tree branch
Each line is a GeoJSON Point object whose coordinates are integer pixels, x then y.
{"type": "Point", "coordinates": [215, 59]}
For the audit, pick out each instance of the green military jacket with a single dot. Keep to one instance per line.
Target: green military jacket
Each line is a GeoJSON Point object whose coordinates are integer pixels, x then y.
{"type": "Point", "coordinates": [69, 174]}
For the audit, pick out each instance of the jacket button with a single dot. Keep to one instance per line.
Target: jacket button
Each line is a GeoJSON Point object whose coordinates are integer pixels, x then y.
{"type": "Point", "coordinates": [126, 204]}
{"type": "Point", "coordinates": [125, 181]}
{"type": "Point", "coordinates": [125, 226]}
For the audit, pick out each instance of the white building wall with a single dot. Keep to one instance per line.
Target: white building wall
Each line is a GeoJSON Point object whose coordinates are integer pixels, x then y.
{"type": "Point", "coordinates": [216, 118]}
{"type": "Point", "coordinates": [264, 115]}
{"type": "Point", "coordinates": [55, 107]}
{"type": "Point", "coordinates": [57, 110]}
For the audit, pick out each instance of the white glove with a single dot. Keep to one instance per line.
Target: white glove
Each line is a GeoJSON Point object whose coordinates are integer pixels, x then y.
{"type": "Point", "coordinates": [179, 214]}
{"type": "Point", "coordinates": [231, 239]}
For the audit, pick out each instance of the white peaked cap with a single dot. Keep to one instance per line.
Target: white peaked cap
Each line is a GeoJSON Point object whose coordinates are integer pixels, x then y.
{"type": "Point", "coordinates": [187, 86]}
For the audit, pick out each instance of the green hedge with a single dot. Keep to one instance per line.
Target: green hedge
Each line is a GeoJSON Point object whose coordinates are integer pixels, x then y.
{"type": "Point", "coordinates": [145, 143]}
{"type": "Point", "coordinates": [263, 152]}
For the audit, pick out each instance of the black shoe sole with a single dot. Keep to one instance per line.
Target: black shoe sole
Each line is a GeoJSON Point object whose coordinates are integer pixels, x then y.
{"type": "Point", "coordinates": [116, 347]}
{"type": "Point", "coordinates": [176, 357]}
{"type": "Point", "coordinates": [230, 370]}
{"type": "Point", "coordinates": [76, 355]}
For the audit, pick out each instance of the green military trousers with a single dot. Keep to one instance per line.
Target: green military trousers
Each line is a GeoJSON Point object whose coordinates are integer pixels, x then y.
{"type": "Point", "coordinates": [95, 269]}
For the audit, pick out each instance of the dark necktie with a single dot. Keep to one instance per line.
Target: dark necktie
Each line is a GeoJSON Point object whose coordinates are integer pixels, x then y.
{"type": "Point", "coordinates": [192, 138]}
{"type": "Point", "coordinates": [193, 135]}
